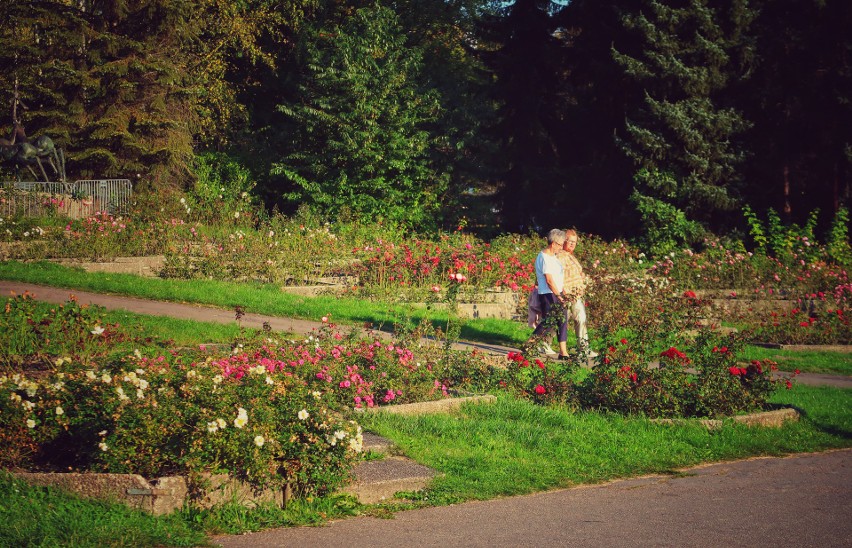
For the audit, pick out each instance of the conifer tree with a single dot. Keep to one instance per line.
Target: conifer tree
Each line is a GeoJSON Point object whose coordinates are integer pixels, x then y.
{"type": "Point", "coordinates": [681, 138]}
{"type": "Point", "coordinates": [127, 87]}
{"type": "Point", "coordinates": [528, 63]}
{"type": "Point", "coordinates": [359, 139]}
{"type": "Point", "coordinates": [799, 100]}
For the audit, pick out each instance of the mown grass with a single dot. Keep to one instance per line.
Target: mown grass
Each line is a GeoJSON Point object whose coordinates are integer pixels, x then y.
{"type": "Point", "coordinates": [811, 361]}
{"type": "Point", "coordinates": [515, 447]}
{"type": "Point", "coordinates": [45, 516]}
{"type": "Point", "coordinates": [40, 516]}
{"type": "Point", "coordinates": [178, 332]}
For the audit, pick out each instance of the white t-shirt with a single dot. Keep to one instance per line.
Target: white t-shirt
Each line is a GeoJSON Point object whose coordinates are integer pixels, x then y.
{"type": "Point", "coordinates": [548, 264]}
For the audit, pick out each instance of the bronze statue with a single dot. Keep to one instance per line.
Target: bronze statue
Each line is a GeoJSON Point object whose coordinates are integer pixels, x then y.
{"type": "Point", "coordinates": [18, 151]}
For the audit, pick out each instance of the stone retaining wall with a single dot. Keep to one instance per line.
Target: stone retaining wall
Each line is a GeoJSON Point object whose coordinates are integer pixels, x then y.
{"type": "Point", "coordinates": [140, 266]}
{"type": "Point", "coordinates": [158, 496]}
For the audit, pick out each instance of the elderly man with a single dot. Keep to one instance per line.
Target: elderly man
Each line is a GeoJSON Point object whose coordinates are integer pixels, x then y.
{"type": "Point", "coordinates": [574, 289]}
{"type": "Point", "coordinates": [549, 275]}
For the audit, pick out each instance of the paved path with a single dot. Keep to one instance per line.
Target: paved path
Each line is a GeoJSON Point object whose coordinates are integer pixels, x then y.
{"type": "Point", "coordinates": [803, 500]}
{"type": "Point", "coordinates": [256, 321]}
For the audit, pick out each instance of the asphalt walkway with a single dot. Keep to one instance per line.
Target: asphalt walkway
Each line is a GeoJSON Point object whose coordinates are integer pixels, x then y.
{"type": "Point", "coordinates": [803, 500]}
{"type": "Point", "coordinates": [256, 321]}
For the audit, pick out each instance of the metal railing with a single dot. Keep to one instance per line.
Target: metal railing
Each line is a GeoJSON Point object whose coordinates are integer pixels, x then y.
{"type": "Point", "coordinates": [75, 200]}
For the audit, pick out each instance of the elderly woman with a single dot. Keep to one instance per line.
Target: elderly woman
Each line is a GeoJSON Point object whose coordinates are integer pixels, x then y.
{"type": "Point", "coordinates": [549, 275]}
{"type": "Point", "coordinates": [573, 290]}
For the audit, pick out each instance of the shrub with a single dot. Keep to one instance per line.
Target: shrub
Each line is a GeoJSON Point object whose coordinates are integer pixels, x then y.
{"type": "Point", "coordinates": [43, 337]}
{"type": "Point", "coordinates": [837, 246]}
{"type": "Point", "coordinates": [801, 326]}
{"type": "Point", "coordinates": [222, 192]}
{"type": "Point", "coordinates": [704, 381]}
{"type": "Point", "coordinates": [159, 417]}
{"type": "Point", "coordinates": [68, 401]}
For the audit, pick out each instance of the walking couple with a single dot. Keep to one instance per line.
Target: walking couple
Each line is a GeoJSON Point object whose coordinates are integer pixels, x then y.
{"type": "Point", "coordinates": [558, 296]}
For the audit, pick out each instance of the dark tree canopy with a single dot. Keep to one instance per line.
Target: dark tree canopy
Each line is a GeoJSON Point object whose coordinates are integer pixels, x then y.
{"type": "Point", "coordinates": [659, 117]}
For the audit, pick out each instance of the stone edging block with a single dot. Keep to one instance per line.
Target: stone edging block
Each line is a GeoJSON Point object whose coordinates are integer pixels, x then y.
{"type": "Point", "coordinates": [769, 419]}
{"type": "Point", "coordinates": [437, 406]}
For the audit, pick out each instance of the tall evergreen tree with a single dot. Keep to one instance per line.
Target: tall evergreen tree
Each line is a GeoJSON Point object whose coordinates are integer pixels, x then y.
{"type": "Point", "coordinates": [359, 139]}
{"type": "Point", "coordinates": [127, 87]}
{"type": "Point", "coordinates": [598, 176]}
{"type": "Point", "coordinates": [528, 64]}
{"type": "Point", "coordinates": [799, 99]}
{"type": "Point", "coordinates": [682, 137]}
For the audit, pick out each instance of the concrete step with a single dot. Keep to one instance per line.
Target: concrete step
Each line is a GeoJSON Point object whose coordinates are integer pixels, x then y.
{"type": "Point", "coordinates": [379, 480]}
{"type": "Point", "coordinates": [376, 443]}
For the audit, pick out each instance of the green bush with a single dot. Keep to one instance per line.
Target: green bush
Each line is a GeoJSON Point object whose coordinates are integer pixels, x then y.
{"type": "Point", "coordinates": [665, 227]}
{"type": "Point", "coordinates": [704, 380]}
{"type": "Point", "coordinates": [222, 193]}
{"type": "Point", "coordinates": [161, 416]}
{"type": "Point", "coordinates": [838, 247]}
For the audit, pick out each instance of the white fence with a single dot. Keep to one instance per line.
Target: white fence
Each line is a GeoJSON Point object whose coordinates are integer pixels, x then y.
{"type": "Point", "coordinates": [75, 200]}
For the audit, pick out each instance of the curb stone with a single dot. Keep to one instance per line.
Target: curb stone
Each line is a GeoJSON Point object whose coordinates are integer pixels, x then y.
{"type": "Point", "coordinates": [769, 419]}
{"type": "Point", "coordinates": [437, 406]}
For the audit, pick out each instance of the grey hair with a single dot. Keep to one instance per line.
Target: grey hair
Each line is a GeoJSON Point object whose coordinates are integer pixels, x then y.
{"type": "Point", "coordinates": [556, 235]}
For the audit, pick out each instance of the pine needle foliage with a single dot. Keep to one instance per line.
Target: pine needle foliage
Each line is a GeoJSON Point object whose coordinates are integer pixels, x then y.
{"type": "Point", "coordinates": [691, 53]}
{"type": "Point", "coordinates": [128, 87]}
{"type": "Point", "coordinates": [360, 142]}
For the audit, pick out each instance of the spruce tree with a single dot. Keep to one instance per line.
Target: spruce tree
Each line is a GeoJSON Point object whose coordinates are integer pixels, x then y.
{"type": "Point", "coordinates": [128, 87]}
{"type": "Point", "coordinates": [358, 139]}
{"type": "Point", "coordinates": [681, 138]}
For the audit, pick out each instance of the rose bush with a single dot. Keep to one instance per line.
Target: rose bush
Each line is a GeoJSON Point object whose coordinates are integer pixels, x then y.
{"type": "Point", "coordinates": [703, 380]}
{"type": "Point", "coordinates": [269, 412]}
{"type": "Point", "coordinates": [166, 416]}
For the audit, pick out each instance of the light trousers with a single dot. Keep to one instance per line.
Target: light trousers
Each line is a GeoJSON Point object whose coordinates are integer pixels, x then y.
{"type": "Point", "coordinates": [576, 313]}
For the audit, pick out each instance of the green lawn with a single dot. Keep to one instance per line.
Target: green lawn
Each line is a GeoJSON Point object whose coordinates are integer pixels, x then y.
{"type": "Point", "coordinates": [811, 361]}
{"type": "Point", "coordinates": [515, 447]}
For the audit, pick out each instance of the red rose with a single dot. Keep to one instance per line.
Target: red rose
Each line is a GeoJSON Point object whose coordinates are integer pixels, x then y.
{"type": "Point", "coordinates": [539, 389]}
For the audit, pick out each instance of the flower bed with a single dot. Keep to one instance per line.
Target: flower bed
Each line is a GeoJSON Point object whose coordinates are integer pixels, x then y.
{"type": "Point", "coordinates": [705, 380]}
{"type": "Point", "coordinates": [74, 396]}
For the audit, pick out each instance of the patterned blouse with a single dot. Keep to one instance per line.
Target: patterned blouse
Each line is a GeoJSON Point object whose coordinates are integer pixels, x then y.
{"type": "Point", "coordinates": [575, 281]}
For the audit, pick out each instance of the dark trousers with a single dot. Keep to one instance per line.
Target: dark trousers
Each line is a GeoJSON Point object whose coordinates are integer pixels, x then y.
{"type": "Point", "coordinates": [551, 311]}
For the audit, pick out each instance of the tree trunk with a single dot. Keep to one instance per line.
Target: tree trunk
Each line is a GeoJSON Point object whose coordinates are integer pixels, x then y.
{"type": "Point", "coordinates": [788, 210]}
